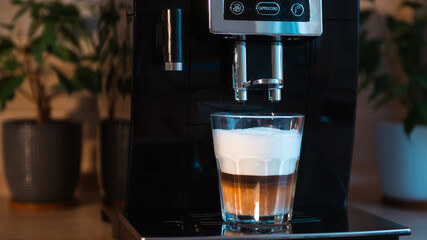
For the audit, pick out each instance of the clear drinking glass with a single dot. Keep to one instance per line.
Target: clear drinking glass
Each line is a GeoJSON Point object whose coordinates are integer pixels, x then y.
{"type": "Point", "coordinates": [257, 158]}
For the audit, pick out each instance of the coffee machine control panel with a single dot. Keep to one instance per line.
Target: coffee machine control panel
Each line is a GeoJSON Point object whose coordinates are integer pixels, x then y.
{"type": "Point", "coordinates": [277, 10]}
{"type": "Point", "coordinates": [266, 17]}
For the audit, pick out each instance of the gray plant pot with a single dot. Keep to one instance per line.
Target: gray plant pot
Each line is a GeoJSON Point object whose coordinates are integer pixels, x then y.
{"type": "Point", "coordinates": [41, 162]}
{"type": "Point", "coordinates": [114, 159]}
{"type": "Point", "coordinates": [403, 164]}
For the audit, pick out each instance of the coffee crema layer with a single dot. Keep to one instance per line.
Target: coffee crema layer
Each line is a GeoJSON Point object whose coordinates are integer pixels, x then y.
{"type": "Point", "coordinates": [257, 196]}
{"type": "Point", "coordinates": [259, 151]}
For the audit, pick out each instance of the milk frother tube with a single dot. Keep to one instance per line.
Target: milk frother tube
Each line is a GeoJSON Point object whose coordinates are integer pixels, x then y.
{"type": "Point", "coordinates": [275, 94]}
{"type": "Point", "coordinates": [172, 39]}
{"type": "Point", "coordinates": [239, 70]}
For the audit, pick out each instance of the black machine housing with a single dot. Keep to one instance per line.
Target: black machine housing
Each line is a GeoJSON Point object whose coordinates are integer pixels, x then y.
{"type": "Point", "coordinates": [172, 170]}
{"type": "Point", "coordinates": [172, 162]}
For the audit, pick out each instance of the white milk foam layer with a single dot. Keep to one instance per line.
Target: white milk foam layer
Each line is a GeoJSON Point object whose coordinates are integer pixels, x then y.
{"type": "Point", "coordinates": [258, 151]}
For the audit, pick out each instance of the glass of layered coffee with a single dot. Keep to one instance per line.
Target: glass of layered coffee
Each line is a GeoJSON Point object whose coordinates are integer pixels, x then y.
{"type": "Point", "coordinates": [257, 157]}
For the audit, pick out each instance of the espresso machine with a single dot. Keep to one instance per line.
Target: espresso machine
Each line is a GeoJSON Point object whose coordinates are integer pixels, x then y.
{"type": "Point", "coordinates": [195, 57]}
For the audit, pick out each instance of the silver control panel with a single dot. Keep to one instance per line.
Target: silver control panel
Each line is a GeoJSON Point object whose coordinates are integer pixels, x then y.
{"type": "Point", "coordinates": [270, 17]}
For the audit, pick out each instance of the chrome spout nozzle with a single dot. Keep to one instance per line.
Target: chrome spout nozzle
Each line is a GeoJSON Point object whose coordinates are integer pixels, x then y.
{"type": "Point", "coordinates": [173, 66]}
{"type": "Point", "coordinates": [274, 94]}
{"type": "Point", "coordinates": [240, 82]}
{"type": "Point", "coordinates": [239, 71]}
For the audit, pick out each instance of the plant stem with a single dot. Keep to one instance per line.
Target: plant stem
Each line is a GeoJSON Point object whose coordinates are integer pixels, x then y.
{"type": "Point", "coordinates": [43, 106]}
{"type": "Point", "coordinates": [37, 89]}
{"type": "Point", "coordinates": [25, 94]}
{"type": "Point", "coordinates": [112, 98]}
{"type": "Point", "coordinates": [111, 104]}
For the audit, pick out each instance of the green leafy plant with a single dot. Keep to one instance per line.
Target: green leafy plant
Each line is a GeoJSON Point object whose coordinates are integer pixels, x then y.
{"type": "Point", "coordinates": [114, 53]}
{"type": "Point", "coordinates": [55, 36]}
{"type": "Point", "coordinates": [394, 65]}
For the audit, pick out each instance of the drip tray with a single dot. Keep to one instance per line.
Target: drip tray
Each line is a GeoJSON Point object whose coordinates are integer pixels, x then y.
{"type": "Point", "coordinates": [307, 223]}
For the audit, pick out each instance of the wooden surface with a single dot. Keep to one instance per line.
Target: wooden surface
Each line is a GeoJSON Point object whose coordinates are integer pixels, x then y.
{"type": "Point", "coordinates": [80, 222]}
{"type": "Point", "coordinates": [42, 207]}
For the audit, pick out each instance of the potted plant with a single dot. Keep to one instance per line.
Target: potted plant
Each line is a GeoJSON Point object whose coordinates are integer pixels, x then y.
{"type": "Point", "coordinates": [394, 66]}
{"type": "Point", "coordinates": [42, 156]}
{"type": "Point", "coordinates": [115, 73]}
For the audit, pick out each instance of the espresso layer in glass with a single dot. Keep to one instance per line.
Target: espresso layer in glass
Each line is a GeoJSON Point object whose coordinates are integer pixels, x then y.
{"type": "Point", "coordinates": [257, 196]}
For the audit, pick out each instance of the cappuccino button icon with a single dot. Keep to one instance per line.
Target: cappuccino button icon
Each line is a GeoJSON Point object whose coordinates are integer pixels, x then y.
{"type": "Point", "coordinates": [268, 8]}
{"type": "Point", "coordinates": [297, 9]}
{"type": "Point", "coordinates": [237, 8]}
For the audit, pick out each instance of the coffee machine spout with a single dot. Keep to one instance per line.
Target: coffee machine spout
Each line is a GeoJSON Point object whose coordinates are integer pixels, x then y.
{"type": "Point", "coordinates": [239, 71]}
{"type": "Point", "coordinates": [239, 68]}
{"type": "Point", "coordinates": [275, 94]}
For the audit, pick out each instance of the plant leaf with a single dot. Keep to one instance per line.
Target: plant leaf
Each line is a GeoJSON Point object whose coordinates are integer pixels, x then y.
{"type": "Point", "coordinates": [65, 54]}
{"type": "Point", "coordinates": [7, 26]}
{"type": "Point", "coordinates": [423, 111]}
{"type": "Point", "coordinates": [69, 36]}
{"type": "Point", "coordinates": [364, 16]}
{"type": "Point", "coordinates": [35, 9]}
{"type": "Point", "coordinates": [411, 120]}
{"type": "Point", "coordinates": [60, 10]}
{"type": "Point", "coordinates": [63, 80]}
{"type": "Point", "coordinates": [381, 86]}
{"type": "Point", "coordinates": [421, 79]}
{"type": "Point", "coordinates": [397, 26]}
{"type": "Point", "coordinates": [399, 89]}
{"type": "Point", "coordinates": [412, 4]}
{"type": "Point", "coordinates": [49, 33]}
{"type": "Point", "coordinates": [109, 14]}
{"type": "Point", "coordinates": [16, 2]}
{"type": "Point", "coordinates": [125, 86]}
{"type": "Point", "coordinates": [87, 78]}
{"type": "Point", "coordinates": [37, 48]}
{"type": "Point", "coordinates": [35, 24]}
{"type": "Point", "coordinates": [370, 54]}
{"type": "Point", "coordinates": [8, 88]}
{"type": "Point", "coordinates": [20, 12]}
{"type": "Point", "coordinates": [10, 64]}
{"type": "Point", "coordinates": [383, 100]}
{"type": "Point", "coordinates": [5, 45]}
{"type": "Point", "coordinates": [110, 78]}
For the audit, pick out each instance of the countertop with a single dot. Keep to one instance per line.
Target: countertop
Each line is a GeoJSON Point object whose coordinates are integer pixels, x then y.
{"type": "Point", "coordinates": [84, 221]}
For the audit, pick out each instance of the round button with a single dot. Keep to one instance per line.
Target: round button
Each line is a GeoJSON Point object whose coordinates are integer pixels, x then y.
{"type": "Point", "coordinates": [237, 8]}
{"type": "Point", "coordinates": [297, 9]}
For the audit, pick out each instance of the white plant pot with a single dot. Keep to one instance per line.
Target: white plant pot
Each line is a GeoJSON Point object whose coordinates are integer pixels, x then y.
{"type": "Point", "coordinates": [403, 162]}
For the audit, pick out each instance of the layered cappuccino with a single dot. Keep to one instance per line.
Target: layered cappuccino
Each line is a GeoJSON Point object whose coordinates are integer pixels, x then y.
{"type": "Point", "coordinates": [257, 171]}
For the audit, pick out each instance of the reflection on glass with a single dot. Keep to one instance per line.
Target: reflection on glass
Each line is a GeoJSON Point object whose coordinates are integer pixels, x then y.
{"type": "Point", "coordinates": [249, 229]}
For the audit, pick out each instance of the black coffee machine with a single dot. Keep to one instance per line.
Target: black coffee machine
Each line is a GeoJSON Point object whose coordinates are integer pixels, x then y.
{"type": "Point", "coordinates": [195, 57]}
